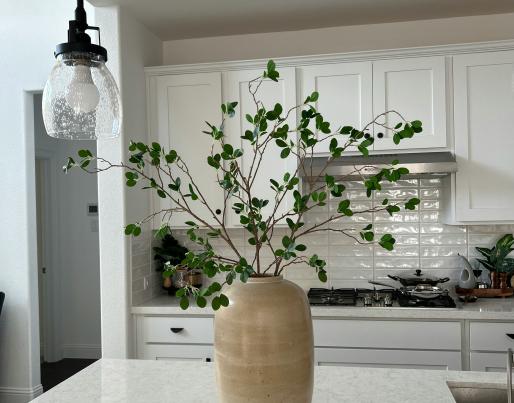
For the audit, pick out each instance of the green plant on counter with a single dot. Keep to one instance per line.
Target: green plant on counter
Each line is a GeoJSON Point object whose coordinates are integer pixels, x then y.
{"type": "Point", "coordinates": [169, 253]}
{"type": "Point", "coordinates": [270, 129]}
{"type": "Point", "coordinates": [496, 259]}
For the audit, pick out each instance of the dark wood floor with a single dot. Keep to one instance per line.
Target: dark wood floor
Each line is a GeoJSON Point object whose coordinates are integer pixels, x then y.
{"type": "Point", "coordinates": [53, 373]}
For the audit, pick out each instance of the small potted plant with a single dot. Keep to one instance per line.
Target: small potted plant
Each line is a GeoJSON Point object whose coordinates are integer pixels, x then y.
{"type": "Point", "coordinates": [496, 260]}
{"type": "Point", "coordinates": [169, 256]}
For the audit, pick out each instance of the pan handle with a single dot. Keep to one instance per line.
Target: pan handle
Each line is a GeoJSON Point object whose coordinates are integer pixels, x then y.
{"type": "Point", "coordinates": [382, 284]}
{"type": "Point", "coordinates": [443, 280]}
{"type": "Point", "coordinates": [395, 278]}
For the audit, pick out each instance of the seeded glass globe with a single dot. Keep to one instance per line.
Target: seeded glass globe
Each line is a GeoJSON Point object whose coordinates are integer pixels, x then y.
{"type": "Point", "coordinates": [81, 100]}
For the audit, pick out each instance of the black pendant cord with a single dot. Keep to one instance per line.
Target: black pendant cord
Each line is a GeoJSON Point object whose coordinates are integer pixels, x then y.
{"type": "Point", "coordinates": [78, 39]}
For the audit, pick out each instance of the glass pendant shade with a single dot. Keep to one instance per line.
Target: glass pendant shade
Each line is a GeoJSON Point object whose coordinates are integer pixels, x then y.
{"type": "Point", "coordinates": [81, 100]}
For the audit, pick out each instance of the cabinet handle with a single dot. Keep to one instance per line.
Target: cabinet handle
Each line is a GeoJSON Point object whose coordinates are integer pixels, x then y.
{"type": "Point", "coordinates": [176, 329]}
{"type": "Point", "coordinates": [380, 135]}
{"type": "Point", "coordinates": [367, 136]}
{"type": "Point", "coordinates": [218, 211]}
{"type": "Point", "coordinates": [510, 335]}
{"type": "Point", "coordinates": [207, 360]}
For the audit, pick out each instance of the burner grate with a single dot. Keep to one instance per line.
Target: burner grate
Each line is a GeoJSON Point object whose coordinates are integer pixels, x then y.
{"type": "Point", "coordinates": [340, 296]}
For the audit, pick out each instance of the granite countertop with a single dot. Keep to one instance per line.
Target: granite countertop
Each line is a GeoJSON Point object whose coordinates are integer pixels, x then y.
{"type": "Point", "coordinates": [145, 381]}
{"type": "Point", "coordinates": [484, 309]}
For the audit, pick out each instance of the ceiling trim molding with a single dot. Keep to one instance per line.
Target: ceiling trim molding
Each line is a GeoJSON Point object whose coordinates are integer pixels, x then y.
{"type": "Point", "coordinates": [440, 50]}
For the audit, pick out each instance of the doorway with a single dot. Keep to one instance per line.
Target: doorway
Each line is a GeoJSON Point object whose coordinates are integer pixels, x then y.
{"type": "Point", "coordinates": [67, 257]}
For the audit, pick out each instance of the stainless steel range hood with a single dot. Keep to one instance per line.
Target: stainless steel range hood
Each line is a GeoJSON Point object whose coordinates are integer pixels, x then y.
{"type": "Point", "coordinates": [352, 167]}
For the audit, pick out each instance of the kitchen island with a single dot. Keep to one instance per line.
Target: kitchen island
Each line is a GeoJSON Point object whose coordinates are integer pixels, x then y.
{"type": "Point", "coordinates": [145, 381]}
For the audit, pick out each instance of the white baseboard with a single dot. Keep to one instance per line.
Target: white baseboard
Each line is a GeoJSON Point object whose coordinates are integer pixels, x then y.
{"type": "Point", "coordinates": [19, 395]}
{"type": "Point", "coordinates": [92, 351]}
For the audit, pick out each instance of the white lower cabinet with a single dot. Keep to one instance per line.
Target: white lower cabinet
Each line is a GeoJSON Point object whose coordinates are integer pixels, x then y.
{"type": "Point", "coordinates": [488, 343]}
{"type": "Point", "coordinates": [421, 344]}
{"type": "Point", "coordinates": [416, 359]}
{"type": "Point", "coordinates": [176, 338]}
{"type": "Point", "coordinates": [388, 344]}
{"type": "Point", "coordinates": [488, 362]}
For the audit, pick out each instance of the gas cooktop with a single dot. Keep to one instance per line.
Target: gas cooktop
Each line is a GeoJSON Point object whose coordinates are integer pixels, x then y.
{"type": "Point", "coordinates": [365, 297]}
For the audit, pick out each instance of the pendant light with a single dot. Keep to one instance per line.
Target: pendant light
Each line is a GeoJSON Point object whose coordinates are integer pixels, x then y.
{"type": "Point", "coordinates": [81, 100]}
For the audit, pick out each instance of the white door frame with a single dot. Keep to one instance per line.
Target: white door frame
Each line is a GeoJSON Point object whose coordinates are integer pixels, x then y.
{"type": "Point", "coordinates": [51, 291]}
{"type": "Point", "coordinates": [51, 318]}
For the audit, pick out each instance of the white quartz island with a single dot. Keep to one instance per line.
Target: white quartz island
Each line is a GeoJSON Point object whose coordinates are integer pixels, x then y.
{"type": "Point", "coordinates": [144, 381]}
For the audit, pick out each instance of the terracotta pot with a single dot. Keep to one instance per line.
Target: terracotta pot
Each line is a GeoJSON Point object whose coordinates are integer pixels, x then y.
{"type": "Point", "coordinates": [502, 278]}
{"type": "Point", "coordinates": [264, 343]}
{"type": "Point", "coordinates": [495, 279]}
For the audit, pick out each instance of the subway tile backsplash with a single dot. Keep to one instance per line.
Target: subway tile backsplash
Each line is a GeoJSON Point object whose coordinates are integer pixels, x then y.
{"type": "Point", "coordinates": [422, 241]}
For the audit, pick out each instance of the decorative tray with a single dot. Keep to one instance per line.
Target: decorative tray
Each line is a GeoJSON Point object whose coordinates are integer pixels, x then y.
{"type": "Point", "coordinates": [485, 292]}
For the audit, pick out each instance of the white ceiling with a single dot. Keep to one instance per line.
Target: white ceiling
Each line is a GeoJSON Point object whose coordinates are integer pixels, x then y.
{"type": "Point", "coordinates": [178, 19]}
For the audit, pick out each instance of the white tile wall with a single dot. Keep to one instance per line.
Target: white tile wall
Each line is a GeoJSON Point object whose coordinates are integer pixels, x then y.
{"type": "Point", "coordinates": [422, 240]}
{"type": "Point", "coordinates": [146, 282]}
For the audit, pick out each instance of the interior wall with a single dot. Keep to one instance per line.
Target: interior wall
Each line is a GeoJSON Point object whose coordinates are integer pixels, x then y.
{"type": "Point", "coordinates": [131, 47]}
{"type": "Point", "coordinates": [340, 39]}
{"type": "Point", "coordinates": [73, 268]}
{"type": "Point", "coordinates": [19, 326]}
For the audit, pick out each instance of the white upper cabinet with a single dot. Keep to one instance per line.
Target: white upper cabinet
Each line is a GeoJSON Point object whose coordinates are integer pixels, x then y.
{"type": "Point", "coordinates": [484, 140]}
{"type": "Point", "coordinates": [416, 88]}
{"type": "Point", "coordinates": [345, 94]}
{"type": "Point", "coordinates": [235, 88]}
{"type": "Point", "coordinates": [179, 105]}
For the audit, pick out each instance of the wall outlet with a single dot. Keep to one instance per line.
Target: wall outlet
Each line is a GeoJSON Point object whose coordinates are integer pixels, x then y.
{"type": "Point", "coordinates": [146, 283]}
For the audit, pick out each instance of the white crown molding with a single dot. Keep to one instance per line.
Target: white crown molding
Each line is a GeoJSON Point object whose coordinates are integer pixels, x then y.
{"type": "Point", "coordinates": [19, 395]}
{"type": "Point", "coordinates": [443, 50]}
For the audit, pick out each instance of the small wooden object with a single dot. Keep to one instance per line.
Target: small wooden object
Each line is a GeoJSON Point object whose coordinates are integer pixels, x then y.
{"type": "Point", "coordinates": [485, 292]}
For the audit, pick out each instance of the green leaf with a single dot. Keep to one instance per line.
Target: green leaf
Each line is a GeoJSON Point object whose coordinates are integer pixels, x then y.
{"type": "Point", "coordinates": [285, 153]}
{"type": "Point", "coordinates": [412, 203]}
{"type": "Point", "coordinates": [343, 206]}
{"type": "Point", "coordinates": [215, 303]}
{"type": "Point", "coordinates": [184, 303]}
{"type": "Point", "coordinates": [84, 153]}
{"type": "Point", "coordinates": [129, 229]}
{"type": "Point", "coordinates": [201, 302]}
{"type": "Point", "coordinates": [223, 300]}
{"type": "Point", "coordinates": [391, 209]}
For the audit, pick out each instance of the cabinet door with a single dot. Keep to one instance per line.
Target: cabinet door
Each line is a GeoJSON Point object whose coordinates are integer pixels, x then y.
{"type": "Point", "coordinates": [235, 86]}
{"type": "Point", "coordinates": [416, 88]}
{"type": "Point", "coordinates": [484, 142]}
{"type": "Point", "coordinates": [345, 94]}
{"type": "Point", "coordinates": [179, 106]}
{"type": "Point", "coordinates": [411, 359]}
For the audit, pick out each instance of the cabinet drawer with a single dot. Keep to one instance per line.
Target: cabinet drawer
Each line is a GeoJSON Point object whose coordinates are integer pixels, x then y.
{"type": "Point", "coordinates": [170, 352]}
{"type": "Point", "coordinates": [485, 336]}
{"type": "Point", "coordinates": [156, 329]}
{"type": "Point", "coordinates": [411, 359]}
{"type": "Point", "coordinates": [387, 334]}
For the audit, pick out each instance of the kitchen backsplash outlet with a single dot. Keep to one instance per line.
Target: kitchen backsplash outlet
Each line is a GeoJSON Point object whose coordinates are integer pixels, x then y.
{"type": "Point", "coordinates": [422, 241]}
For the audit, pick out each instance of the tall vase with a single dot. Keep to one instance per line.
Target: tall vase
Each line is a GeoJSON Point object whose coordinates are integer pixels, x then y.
{"type": "Point", "coordinates": [264, 343]}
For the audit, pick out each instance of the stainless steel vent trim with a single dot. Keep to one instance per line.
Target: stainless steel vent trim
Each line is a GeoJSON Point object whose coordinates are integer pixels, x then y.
{"type": "Point", "coordinates": [351, 167]}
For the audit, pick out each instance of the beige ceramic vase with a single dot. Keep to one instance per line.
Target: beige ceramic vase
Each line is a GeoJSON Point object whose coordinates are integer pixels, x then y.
{"type": "Point", "coordinates": [264, 344]}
